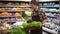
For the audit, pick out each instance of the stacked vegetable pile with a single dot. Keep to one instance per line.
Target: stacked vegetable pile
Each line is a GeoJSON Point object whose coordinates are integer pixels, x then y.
{"type": "Point", "coordinates": [32, 24]}
{"type": "Point", "coordinates": [19, 30]}
{"type": "Point", "coordinates": [16, 30]}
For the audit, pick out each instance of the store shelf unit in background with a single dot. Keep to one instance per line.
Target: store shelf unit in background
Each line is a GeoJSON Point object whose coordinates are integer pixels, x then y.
{"type": "Point", "coordinates": [52, 17]}
{"type": "Point", "coordinates": [15, 10]}
{"type": "Point", "coordinates": [50, 5]}
{"type": "Point", "coordinates": [49, 30]}
{"type": "Point", "coordinates": [7, 17]}
{"type": "Point", "coordinates": [59, 23]}
{"type": "Point", "coordinates": [12, 9]}
{"type": "Point", "coordinates": [16, 6]}
{"type": "Point", "coordinates": [52, 12]}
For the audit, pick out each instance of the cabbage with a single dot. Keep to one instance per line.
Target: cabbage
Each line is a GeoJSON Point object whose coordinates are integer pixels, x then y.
{"type": "Point", "coordinates": [35, 24]}
{"type": "Point", "coordinates": [25, 25]}
{"type": "Point", "coordinates": [32, 24]}
{"type": "Point", "coordinates": [16, 30]}
{"type": "Point", "coordinates": [28, 13]}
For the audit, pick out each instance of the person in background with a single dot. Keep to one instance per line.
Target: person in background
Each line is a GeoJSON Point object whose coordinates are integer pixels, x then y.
{"type": "Point", "coordinates": [37, 15]}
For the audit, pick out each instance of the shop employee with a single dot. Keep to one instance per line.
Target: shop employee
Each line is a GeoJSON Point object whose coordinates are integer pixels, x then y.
{"type": "Point", "coordinates": [37, 15]}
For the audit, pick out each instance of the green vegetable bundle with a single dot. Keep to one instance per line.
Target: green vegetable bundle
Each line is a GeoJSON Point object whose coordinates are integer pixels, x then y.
{"type": "Point", "coordinates": [25, 25]}
{"type": "Point", "coordinates": [35, 24]}
{"type": "Point", "coordinates": [25, 16]}
{"type": "Point", "coordinates": [16, 30]}
{"type": "Point", "coordinates": [32, 24]}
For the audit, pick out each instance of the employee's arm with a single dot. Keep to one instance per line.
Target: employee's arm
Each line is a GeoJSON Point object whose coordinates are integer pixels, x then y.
{"type": "Point", "coordinates": [43, 17]}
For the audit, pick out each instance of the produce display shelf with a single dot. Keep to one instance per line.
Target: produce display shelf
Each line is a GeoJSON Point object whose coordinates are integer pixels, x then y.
{"type": "Point", "coordinates": [52, 16]}
{"type": "Point", "coordinates": [48, 7]}
{"type": "Point", "coordinates": [52, 12]}
{"type": "Point", "coordinates": [49, 30]}
{"type": "Point", "coordinates": [28, 10]}
{"type": "Point", "coordinates": [7, 16]}
{"type": "Point", "coordinates": [15, 6]}
{"type": "Point", "coordinates": [48, 11]}
{"type": "Point", "coordinates": [49, 16]}
{"type": "Point", "coordinates": [12, 21]}
{"type": "Point", "coordinates": [28, 16]}
{"type": "Point", "coordinates": [48, 1]}
{"type": "Point", "coordinates": [14, 10]}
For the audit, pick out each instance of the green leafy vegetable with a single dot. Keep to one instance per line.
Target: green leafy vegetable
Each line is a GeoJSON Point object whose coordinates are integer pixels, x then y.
{"type": "Point", "coordinates": [25, 25]}
{"type": "Point", "coordinates": [32, 24]}
{"type": "Point", "coordinates": [35, 24]}
{"type": "Point", "coordinates": [25, 16]}
{"type": "Point", "coordinates": [17, 30]}
{"type": "Point", "coordinates": [28, 13]}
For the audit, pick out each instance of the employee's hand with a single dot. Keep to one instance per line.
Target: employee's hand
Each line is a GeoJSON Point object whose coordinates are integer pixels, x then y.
{"type": "Point", "coordinates": [43, 23]}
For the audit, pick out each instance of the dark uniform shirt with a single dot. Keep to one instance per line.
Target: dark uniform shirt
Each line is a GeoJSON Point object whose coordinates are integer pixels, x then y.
{"type": "Point", "coordinates": [38, 15]}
